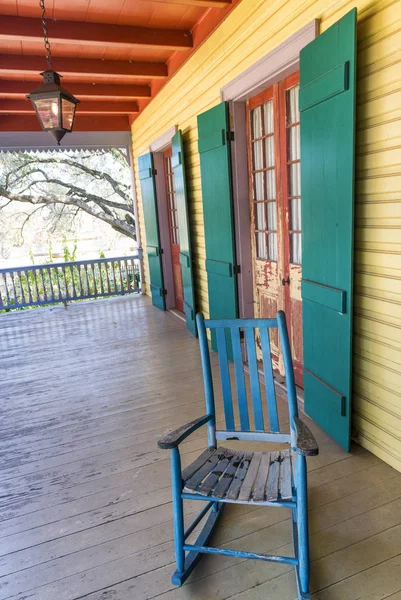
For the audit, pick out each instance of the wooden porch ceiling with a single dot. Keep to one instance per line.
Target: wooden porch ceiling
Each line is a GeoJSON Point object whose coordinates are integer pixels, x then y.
{"type": "Point", "coordinates": [113, 55]}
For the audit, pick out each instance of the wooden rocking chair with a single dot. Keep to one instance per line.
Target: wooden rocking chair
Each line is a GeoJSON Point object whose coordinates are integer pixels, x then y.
{"type": "Point", "coordinates": [219, 475]}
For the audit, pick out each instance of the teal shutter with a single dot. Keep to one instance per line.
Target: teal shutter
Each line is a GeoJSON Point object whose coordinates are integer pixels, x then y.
{"type": "Point", "coordinates": [153, 249]}
{"type": "Point", "coordinates": [215, 162]}
{"type": "Point", "coordinates": [327, 105]}
{"type": "Point", "coordinates": [178, 165]}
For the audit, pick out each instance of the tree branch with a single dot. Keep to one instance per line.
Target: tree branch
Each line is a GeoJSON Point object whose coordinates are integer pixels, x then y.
{"type": "Point", "coordinates": [89, 171]}
{"type": "Point", "coordinates": [115, 222]}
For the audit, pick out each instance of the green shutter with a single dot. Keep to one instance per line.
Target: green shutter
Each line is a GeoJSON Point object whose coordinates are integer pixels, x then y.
{"type": "Point", "coordinates": [215, 162]}
{"type": "Point", "coordinates": [153, 249]}
{"type": "Point", "coordinates": [178, 164]}
{"type": "Point", "coordinates": [327, 105]}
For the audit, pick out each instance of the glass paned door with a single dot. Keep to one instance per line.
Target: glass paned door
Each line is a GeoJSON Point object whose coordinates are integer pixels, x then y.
{"type": "Point", "coordinates": [275, 198]}
{"type": "Point", "coordinates": [263, 159]}
{"type": "Point", "coordinates": [174, 232]}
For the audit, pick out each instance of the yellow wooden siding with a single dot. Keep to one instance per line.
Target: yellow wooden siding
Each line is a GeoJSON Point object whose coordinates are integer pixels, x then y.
{"type": "Point", "coordinates": [253, 29]}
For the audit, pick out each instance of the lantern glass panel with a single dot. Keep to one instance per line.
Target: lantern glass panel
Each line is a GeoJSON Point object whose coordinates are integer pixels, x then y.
{"type": "Point", "coordinates": [68, 111]}
{"type": "Point", "coordinates": [48, 111]}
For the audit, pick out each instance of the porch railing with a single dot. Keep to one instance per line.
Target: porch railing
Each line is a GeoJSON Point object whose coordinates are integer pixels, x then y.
{"type": "Point", "coordinates": [62, 282]}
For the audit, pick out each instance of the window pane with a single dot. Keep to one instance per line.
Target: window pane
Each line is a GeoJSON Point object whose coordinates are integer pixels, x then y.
{"type": "Point", "coordinates": [261, 250]}
{"type": "Point", "coordinates": [260, 215]}
{"type": "Point", "coordinates": [272, 244]}
{"type": "Point", "coordinates": [292, 105]}
{"type": "Point", "coordinates": [259, 191]}
{"type": "Point", "coordinates": [296, 248]}
{"type": "Point", "coordinates": [268, 117]}
{"type": "Point", "coordinates": [295, 179]}
{"type": "Point", "coordinates": [272, 216]}
{"type": "Point", "coordinates": [271, 185]}
{"type": "Point", "coordinates": [48, 110]}
{"type": "Point", "coordinates": [257, 122]}
{"type": "Point", "coordinates": [68, 111]}
{"type": "Point", "coordinates": [269, 151]}
{"type": "Point", "coordinates": [172, 218]}
{"type": "Point", "coordinates": [258, 155]}
{"type": "Point", "coordinates": [295, 216]}
{"type": "Point", "coordinates": [294, 151]}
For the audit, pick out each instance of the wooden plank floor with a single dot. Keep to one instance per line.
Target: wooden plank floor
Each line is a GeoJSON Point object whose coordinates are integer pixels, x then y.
{"type": "Point", "coordinates": [85, 493]}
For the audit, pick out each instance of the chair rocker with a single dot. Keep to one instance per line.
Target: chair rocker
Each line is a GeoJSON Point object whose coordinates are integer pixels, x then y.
{"type": "Point", "coordinates": [220, 475]}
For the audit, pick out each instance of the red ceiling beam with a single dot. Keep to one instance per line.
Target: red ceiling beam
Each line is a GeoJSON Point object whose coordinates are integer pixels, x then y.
{"type": "Point", "coordinates": [12, 63]}
{"type": "Point", "coordinates": [81, 123]}
{"type": "Point", "coordinates": [107, 108]}
{"type": "Point", "coordinates": [205, 3]}
{"type": "Point", "coordinates": [13, 88]}
{"type": "Point", "coordinates": [21, 28]}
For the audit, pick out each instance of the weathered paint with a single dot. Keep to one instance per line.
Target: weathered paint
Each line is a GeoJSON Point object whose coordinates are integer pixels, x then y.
{"type": "Point", "coordinates": [254, 28]}
{"type": "Point", "coordinates": [222, 475]}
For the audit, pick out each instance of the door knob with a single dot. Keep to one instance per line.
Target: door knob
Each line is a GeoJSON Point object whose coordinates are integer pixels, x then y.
{"type": "Point", "coordinates": [286, 281]}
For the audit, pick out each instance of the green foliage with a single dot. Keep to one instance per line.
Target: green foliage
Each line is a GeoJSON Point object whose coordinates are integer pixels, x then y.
{"type": "Point", "coordinates": [50, 250]}
{"type": "Point", "coordinates": [70, 255]}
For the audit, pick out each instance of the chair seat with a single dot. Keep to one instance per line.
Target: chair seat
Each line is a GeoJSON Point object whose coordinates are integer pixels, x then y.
{"type": "Point", "coordinates": [239, 476]}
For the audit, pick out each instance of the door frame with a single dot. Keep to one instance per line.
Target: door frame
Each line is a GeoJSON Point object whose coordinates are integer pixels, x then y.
{"type": "Point", "coordinates": [158, 147]}
{"type": "Point", "coordinates": [273, 67]}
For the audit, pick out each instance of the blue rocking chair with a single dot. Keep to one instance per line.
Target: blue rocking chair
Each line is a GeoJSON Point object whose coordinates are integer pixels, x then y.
{"type": "Point", "coordinates": [220, 475]}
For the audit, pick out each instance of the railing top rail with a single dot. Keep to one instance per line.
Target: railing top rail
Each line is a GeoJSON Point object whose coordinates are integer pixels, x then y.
{"type": "Point", "coordinates": [136, 256]}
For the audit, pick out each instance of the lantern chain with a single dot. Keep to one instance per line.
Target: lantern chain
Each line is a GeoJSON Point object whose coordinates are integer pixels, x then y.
{"type": "Point", "coordinates": [46, 34]}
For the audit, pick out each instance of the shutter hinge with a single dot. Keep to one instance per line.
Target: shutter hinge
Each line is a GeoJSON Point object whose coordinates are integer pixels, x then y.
{"type": "Point", "coordinates": [154, 171]}
{"type": "Point", "coordinates": [237, 269]}
{"type": "Point", "coordinates": [230, 136]}
{"type": "Point", "coordinates": [163, 292]}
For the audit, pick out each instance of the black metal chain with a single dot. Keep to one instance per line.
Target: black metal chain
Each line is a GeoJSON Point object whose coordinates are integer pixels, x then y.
{"type": "Point", "coordinates": [46, 34]}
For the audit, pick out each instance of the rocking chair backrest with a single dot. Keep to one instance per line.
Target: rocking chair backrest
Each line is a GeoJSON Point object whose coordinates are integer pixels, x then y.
{"type": "Point", "coordinates": [228, 337]}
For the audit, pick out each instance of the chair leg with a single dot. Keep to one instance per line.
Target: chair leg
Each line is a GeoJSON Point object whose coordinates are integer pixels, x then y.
{"type": "Point", "coordinates": [178, 509]}
{"type": "Point", "coordinates": [301, 519]}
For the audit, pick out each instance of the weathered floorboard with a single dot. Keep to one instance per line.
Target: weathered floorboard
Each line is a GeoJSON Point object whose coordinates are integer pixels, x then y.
{"type": "Point", "coordinates": [86, 511]}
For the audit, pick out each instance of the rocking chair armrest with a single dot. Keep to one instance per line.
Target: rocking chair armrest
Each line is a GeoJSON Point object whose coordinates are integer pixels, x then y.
{"type": "Point", "coordinates": [305, 440]}
{"type": "Point", "coordinates": [174, 438]}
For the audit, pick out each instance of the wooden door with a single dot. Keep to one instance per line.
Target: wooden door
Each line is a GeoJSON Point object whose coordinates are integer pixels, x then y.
{"type": "Point", "coordinates": [274, 167]}
{"type": "Point", "coordinates": [181, 201]}
{"type": "Point", "coordinates": [327, 102]}
{"type": "Point", "coordinates": [174, 231]}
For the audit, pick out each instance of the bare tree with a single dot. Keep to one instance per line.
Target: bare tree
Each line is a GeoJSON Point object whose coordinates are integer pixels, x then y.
{"type": "Point", "coordinates": [97, 183]}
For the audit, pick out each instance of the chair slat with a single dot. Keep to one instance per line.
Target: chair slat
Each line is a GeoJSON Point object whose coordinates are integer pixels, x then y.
{"type": "Point", "coordinates": [199, 476]}
{"type": "Point", "coordinates": [272, 481]}
{"type": "Point", "coordinates": [227, 478]}
{"type": "Point", "coordinates": [269, 381]}
{"type": "Point", "coordinates": [285, 475]}
{"type": "Point", "coordinates": [213, 477]}
{"type": "Point", "coordinates": [246, 488]}
{"type": "Point", "coordinates": [240, 379]}
{"type": "Point", "coordinates": [254, 376]}
{"type": "Point", "coordinates": [225, 378]}
{"type": "Point", "coordinates": [197, 464]}
{"type": "Point", "coordinates": [233, 490]}
{"type": "Point", "coordinates": [261, 479]}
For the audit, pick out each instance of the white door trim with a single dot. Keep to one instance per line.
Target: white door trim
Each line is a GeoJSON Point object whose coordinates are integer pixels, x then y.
{"type": "Point", "coordinates": [272, 67]}
{"type": "Point", "coordinates": [275, 66]}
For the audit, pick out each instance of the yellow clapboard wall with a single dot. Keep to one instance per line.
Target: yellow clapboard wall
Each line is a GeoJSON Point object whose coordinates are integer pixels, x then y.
{"type": "Point", "coordinates": [254, 28]}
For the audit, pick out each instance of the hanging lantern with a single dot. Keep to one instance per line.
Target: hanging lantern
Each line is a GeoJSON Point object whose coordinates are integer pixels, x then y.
{"type": "Point", "coordinates": [54, 105]}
